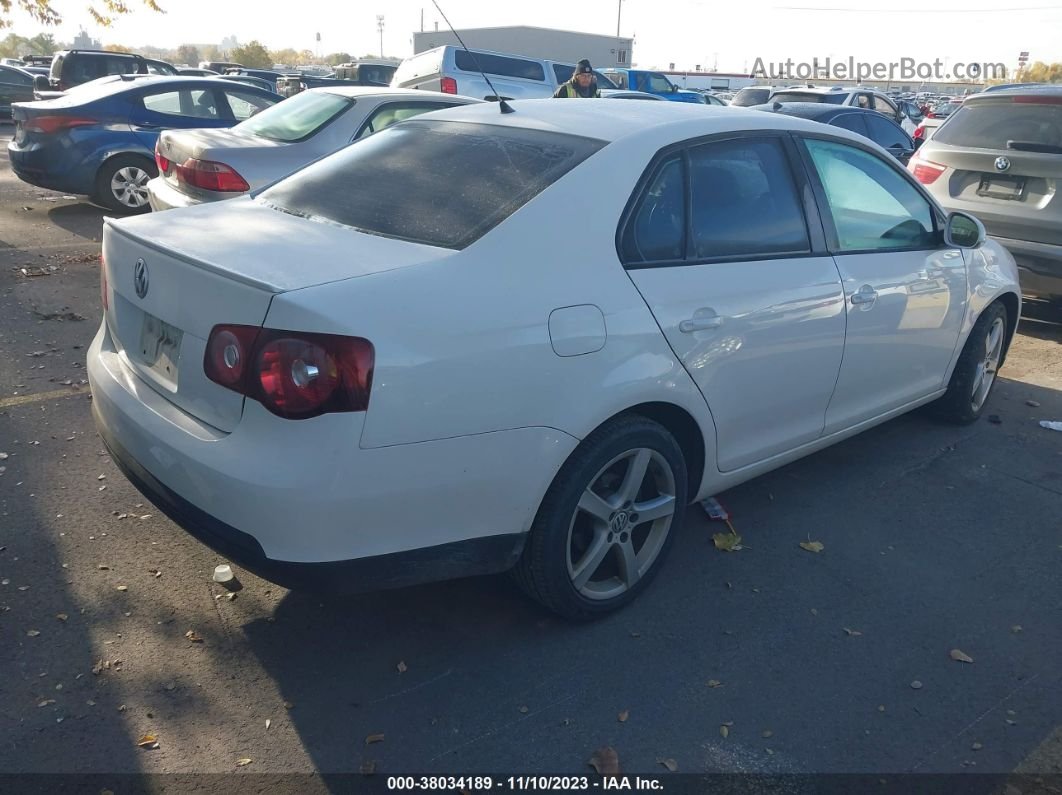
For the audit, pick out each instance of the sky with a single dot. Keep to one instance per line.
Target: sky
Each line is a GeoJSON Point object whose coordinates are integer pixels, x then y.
{"type": "Point", "coordinates": [730, 36]}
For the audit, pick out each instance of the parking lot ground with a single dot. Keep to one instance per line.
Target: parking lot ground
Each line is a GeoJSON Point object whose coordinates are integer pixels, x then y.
{"type": "Point", "coordinates": [771, 659]}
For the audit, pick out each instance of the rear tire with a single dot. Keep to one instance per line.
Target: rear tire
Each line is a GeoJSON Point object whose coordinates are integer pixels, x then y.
{"type": "Point", "coordinates": [607, 521]}
{"type": "Point", "coordinates": [121, 184]}
{"type": "Point", "coordinates": [975, 373]}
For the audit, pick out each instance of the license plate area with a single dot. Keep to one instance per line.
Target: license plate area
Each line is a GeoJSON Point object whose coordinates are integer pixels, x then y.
{"type": "Point", "coordinates": [160, 348]}
{"type": "Point", "coordinates": [997, 187]}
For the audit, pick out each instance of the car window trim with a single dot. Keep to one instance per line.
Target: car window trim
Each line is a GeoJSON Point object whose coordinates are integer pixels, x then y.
{"type": "Point", "coordinates": [832, 240]}
{"type": "Point", "coordinates": [232, 113]}
{"type": "Point", "coordinates": [805, 199]}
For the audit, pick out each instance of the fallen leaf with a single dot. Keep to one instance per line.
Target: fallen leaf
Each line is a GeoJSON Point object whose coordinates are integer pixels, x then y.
{"type": "Point", "coordinates": [976, 746]}
{"type": "Point", "coordinates": [368, 767]}
{"type": "Point", "coordinates": [46, 702]}
{"type": "Point", "coordinates": [851, 632]}
{"type": "Point", "coordinates": [605, 761]}
{"type": "Point", "coordinates": [231, 596]}
{"type": "Point", "coordinates": [268, 723]}
{"type": "Point", "coordinates": [524, 710]}
{"type": "Point", "coordinates": [155, 572]}
{"type": "Point", "coordinates": [916, 685]}
{"type": "Point", "coordinates": [402, 667]}
{"type": "Point", "coordinates": [1032, 404]}
{"type": "Point", "coordinates": [243, 762]}
{"type": "Point", "coordinates": [727, 542]}
{"type": "Point", "coordinates": [62, 616]}
{"type": "Point", "coordinates": [148, 741]}
{"type": "Point", "coordinates": [714, 683]}
{"type": "Point", "coordinates": [622, 717]}
{"type": "Point", "coordinates": [1011, 722]}
{"type": "Point", "coordinates": [767, 734]}
{"type": "Point", "coordinates": [670, 764]}
{"type": "Point", "coordinates": [193, 636]}
{"type": "Point", "coordinates": [121, 707]}
{"type": "Point", "coordinates": [724, 730]}
{"type": "Point", "coordinates": [289, 705]}
{"type": "Point", "coordinates": [812, 546]}
{"type": "Point", "coordinates": [1016, 629]}
{"type": "Point", "coordinates": [97, 668]}
{"type": "Point", "coordinates": [881, 707]}
{"type": "Point", "coordinates": [123, 588]}
{"type": "Point", "coordinates": [960, 656]}
{"type": "Point", "coordinates": [374, 738]}
{"type": "Point", "coordinates": [33, 633]}
{"type": "Point", "coordinates": [814, 612]}
{"type": "Point", "coordinates": [101, 567]}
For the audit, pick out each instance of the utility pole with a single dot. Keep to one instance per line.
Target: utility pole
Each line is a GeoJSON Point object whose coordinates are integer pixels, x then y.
{"type": "Point", "coordinates": [380, 27]}
{"type": "Point", "coordinates": [619, 13]}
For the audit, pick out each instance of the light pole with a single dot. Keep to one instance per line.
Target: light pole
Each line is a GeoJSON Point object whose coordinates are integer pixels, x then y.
{"type": "Point", "coordinates": [619, 13]}
{"type": "Point", "coordinates": [380, 27]}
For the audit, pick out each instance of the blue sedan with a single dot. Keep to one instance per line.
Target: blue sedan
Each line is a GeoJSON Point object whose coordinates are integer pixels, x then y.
{"type": "Point", "coordinates": [99, 140]}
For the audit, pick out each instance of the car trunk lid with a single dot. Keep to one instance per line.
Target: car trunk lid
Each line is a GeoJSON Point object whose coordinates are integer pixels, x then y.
{"type": "Point", "coordinates": [216, 146]}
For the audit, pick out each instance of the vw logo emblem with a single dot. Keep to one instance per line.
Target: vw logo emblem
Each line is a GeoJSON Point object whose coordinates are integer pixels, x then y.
{"type": "Point", "coordinates": [1002, 163]}
{"type": "Point", "coordinates": [140, 278]}
{"type": "Point", "coordinates": [619, 522]}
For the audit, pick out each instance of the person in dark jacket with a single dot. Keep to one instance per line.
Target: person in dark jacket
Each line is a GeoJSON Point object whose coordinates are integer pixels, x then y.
{"type": "Point", "coordinates": [583, 83]}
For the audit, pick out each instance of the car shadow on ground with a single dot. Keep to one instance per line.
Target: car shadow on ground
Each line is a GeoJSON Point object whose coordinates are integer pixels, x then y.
{"type": "Point", "coordinates": [83, 219]}
{"type": "Point", "coordinates": [471, 676]}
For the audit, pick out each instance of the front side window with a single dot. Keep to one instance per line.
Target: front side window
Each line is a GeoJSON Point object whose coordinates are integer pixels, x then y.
{"type": "Point", "coordinates": [434, 182]}
{"type": "Point", "coordinates": [872, 205]}
{"type": "Point", "coordinates": [656, 231]}
{"type": "Point", "coordinates": [744, 201]}
{"type": "Point", "coordinates": [244, 105]}
{"type": "Point", "coordinates": [883, 105]}
{"type": "Point", "coordinates": [15, 77]}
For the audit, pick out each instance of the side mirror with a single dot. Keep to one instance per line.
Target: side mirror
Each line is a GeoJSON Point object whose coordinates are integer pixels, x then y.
{"type": "Point", "coordinates": [40, 83]}
{"type": "Point", "coordinates": [963, 231]}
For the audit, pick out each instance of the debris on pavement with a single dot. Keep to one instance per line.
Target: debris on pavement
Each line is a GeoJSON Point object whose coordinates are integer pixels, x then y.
{"type": "Point", "coordinates": [960, 656]}
{"type": "Point", "coordinates": [916, 685]}
{"type": "Point", "coordinates": [670, 764]}
{"type": "Point", "coordinates": [812, 546]}
{"type": "Point", "coordinates": [1051, 425]}
{"type": "Point", "coordinates": [148, 742]}
{"type": "Point", "coordinates": [605, 761]}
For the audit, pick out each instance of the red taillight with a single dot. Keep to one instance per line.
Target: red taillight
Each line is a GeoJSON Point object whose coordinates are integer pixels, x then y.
{"type": "Point", "coordinates": [104, 299]}
{"type": "Point", "coordinates": [926, 172]}
{"type": "Point", "coordinates": [931, 115]}
{"type": "Point", "coordinates": [919, 133]}
{"type": "Point", "coordinates": [160, 161]}
{"type": "Point", "coordinates": [53, 124]}
{"type": "Point", "coordinates": [208, 175]}
{"type": "Point", "coordinates": [448, 85]}
{"type": "Point", "coordinates": [1030, 99]}
{"type": "Point", "coordinates": [292, 374]}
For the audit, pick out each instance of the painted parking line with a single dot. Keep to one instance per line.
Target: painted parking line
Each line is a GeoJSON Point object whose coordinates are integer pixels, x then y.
{"type": "Point", "coordinates": [21, 400]}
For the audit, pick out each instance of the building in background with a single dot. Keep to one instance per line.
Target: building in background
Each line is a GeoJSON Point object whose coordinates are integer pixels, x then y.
{"type": "Point", "coordinates": [83, 41]}
{"type": "Point", "coordinates": [711, 81]}
{"type": "Point", "coordinates": [553, 45]}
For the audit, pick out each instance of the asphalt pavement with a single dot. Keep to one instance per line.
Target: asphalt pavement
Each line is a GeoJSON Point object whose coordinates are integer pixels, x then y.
{"type": "Point", "coordinates": [771, 659]}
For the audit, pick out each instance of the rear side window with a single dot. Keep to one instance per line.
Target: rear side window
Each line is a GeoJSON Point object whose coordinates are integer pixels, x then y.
{"type": "Point", "coordinates": [855, 122]}
{"type": "Point", "coordinates": [196, 103]}
{"type": "Point", "coordinates": [439, 183]}
{"type": "Point", "coordinates": [888, 135]}
{"type": "Point", "coordinates": [244, 104]}
{"type": "Point", "coordinates": [394, 112]}
{"type": "Point", "coordinates": [656, 231]}
{"type": "Point", "coordinates": [499, 65]}
{"type": "Point", "coordinates": [297, 118]}
{"type": "Point", "coordinates": [990, 125]}
{"type": "Point", "coordinates": [744, 201]}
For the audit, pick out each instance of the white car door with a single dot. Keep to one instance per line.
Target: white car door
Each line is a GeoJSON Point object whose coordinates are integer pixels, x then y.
{"type": "Point", "coordinates": [906, 291]}
{"type": "Point", "coordinates": [719, 245]}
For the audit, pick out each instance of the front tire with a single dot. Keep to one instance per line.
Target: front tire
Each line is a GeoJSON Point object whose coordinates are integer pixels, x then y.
{"type": "Point", "coordinates": [975, 373]}
{"type": "Point", "coordinates": [121, 184]}
{"type": "Point", "coordinates": [607, 521]}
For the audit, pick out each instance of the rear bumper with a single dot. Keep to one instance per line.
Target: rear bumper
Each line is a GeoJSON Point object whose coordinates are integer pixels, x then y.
{"type": "Point", "coordinates": [1039, 266]}
{"type": "Point", "coordinates": [163, 196]}
{"type": "Point", "coordinates": [304, 505]}
{"type": "Point", "coordinates": [46, 169]}
{"type": "Point", "coordinates": [487, 555]}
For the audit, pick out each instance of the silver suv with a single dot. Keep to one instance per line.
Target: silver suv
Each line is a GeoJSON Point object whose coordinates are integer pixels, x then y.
{"type": "Point", "coordinates": [999, 157]}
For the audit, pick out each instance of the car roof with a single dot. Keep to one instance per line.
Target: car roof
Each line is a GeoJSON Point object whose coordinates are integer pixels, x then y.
{"type": "Point", "coordinates": [613, 121]}
{"type": "Point", "coordinates": [1030, 91]}
{"type": "Point", "coordinates": [812, 110]}
{"type": "Point", "coordinates": [829, 91]}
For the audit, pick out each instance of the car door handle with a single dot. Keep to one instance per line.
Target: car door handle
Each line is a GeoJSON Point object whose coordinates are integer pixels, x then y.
{"type": "Point", "coordinates": [864, 297]}
{"type": "Point", "coordinates": [700, 324]}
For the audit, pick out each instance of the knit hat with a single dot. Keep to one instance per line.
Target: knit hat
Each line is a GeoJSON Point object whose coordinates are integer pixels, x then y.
{"type": "Point", "coordinates": [584, 67]}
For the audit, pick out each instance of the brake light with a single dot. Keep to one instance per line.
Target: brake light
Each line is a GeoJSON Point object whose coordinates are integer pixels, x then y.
{"type": "Point", "coordinates": [294, 375]}
{"type": "Point", "coordinates": [1035, 100]}
{"type": "Point", "coordinates": [926, 172]}
{"type": "Point", "coordinates": [104, 298]}
{"type": "Point", "coordinates": [48, 125]}
{"type": "Point", "coordinates": [208, 175]}
{"type": "Point", "coordinates": [919, 133]}
{"type": "Point", "coordinates": [448, 85]}
{"type": "Point", "coordinates": [160, 161]}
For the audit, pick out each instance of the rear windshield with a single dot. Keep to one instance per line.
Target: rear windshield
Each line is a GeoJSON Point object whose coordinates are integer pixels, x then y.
{"type": "Point", "coordinates": [422, 65]}
{"type": "Point", "coordinates": [991, 124]}
{"type": "Point", "coordinates": [750, 96]}
{"type": "Point", "coordinates": [808, 96]}
{"type": "Point", "coordinates": [435, 182]}
{"type": "Point", "coordinates": [297, 118]}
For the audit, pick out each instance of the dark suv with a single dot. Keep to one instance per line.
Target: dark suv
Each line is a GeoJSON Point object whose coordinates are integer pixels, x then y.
{"type": "Point", "coordinates": [73, 67]}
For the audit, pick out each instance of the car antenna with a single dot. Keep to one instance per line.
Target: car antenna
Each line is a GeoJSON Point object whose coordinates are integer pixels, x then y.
{"type": "Point", "coordinates": [505, 108]}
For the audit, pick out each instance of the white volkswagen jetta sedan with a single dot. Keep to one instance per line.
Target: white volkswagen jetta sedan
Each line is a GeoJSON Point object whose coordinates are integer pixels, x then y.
{"type": "Point", "coordinates": [480, 341]}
